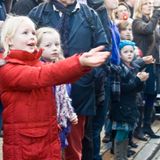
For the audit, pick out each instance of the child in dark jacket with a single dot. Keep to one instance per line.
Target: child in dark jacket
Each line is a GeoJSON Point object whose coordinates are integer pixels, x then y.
{"type": "Point", "coordinates": [124, 111]}
{"type": "Point", "coordinates": [26, 87]}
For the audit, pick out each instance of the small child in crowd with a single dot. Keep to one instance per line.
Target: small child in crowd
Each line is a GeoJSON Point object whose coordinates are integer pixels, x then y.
{"type": "Point", "coordinates": [124, 112]}
{"type": "Point", "coordinates": [49, 40]}
{"type": "Point", "coordinates": [26, 86]}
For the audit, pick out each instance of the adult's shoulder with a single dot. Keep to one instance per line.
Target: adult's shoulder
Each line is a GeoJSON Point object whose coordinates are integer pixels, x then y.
{"type": "Point", "coordinates": [137, 22]}
{"type": "Point", "coordinates": [37, 11]}
{"type": "Point", "coordinates": [87, 9]}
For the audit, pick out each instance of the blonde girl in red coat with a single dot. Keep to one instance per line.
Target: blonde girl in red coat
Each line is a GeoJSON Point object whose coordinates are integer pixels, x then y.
{"type": "Point", "coordinates": [29, 115]}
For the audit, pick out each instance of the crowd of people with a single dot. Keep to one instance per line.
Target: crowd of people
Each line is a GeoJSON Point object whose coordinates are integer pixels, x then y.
{"type": "Point", "coordinates": [68, 68]}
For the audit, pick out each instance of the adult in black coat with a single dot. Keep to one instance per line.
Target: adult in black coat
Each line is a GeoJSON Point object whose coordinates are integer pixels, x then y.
{"type": "Point", "coordinates": [98, 120]}
{"type": "Point", "coordinates": [23, 7]}
{"type": "Point", "coordinates": [144, 27]}
{"type": "Point", "coordinates": [2, 10]}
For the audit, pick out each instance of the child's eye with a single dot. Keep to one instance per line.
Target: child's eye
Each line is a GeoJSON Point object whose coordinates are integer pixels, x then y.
{"type": "Point", "coordinates": [47, 45]}
{"type": "Point", "coordinates": [125, 51]}
{"type": "Point", "coordinates": [57, 44]}
{"type": "Point", "coordinates": [25, 32]}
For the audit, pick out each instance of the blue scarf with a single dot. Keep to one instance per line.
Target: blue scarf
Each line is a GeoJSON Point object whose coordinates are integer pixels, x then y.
{"type": "Point", "coordinates": [64, 24]}
{"type": "Point", "coordinates": [115, 56]}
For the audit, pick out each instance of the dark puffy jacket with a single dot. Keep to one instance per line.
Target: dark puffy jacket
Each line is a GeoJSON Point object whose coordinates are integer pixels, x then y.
{"type": "Point", "coordinates": [2, 11]}
{"type": "Point", "coordinates": [125, 110]}
{"type": "Point", "coordinates": [144, 36]}
{"type": "Point", "coordinates": [143, 31]}
{"type": "Point", "coordinates": [23, 7]}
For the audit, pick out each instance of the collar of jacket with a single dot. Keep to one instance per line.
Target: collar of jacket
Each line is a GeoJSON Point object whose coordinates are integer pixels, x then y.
{"type": "Point", "coordinates": [24, 57]}
{"type": "Point", "coordinates": [49, 8]}
{"type": "Point", "coordinates": [145, 18]}
{"type": "Point", "coordinates": [75, 9]}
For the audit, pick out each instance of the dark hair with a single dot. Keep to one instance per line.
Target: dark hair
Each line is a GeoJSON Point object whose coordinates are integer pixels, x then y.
{"type": "Point", "coordinates": [123, 4]}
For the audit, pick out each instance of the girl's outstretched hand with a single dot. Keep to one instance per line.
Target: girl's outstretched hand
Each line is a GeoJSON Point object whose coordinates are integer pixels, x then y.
{"type": "Point", "coordinates": [95, 57]}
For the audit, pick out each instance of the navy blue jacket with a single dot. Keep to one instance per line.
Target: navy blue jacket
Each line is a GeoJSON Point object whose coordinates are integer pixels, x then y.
{"type": "Point", "coordinates": [2, 11]}
{"type": "Point", "coordinates": [81, 39]}
{"type": "Point", "coordinates": [22, 7]}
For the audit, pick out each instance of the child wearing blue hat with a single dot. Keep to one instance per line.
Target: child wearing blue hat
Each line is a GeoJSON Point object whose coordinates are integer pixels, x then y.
{"type": "Point", "coordinates": [124, 113]}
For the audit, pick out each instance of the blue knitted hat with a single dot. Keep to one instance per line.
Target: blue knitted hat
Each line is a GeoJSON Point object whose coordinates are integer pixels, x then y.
{"type": "Point", "coordinates": [124, 43]}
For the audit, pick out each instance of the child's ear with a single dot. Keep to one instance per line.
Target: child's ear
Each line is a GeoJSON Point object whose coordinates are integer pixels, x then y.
{"type": "Point", "coordinates": [9, 41]}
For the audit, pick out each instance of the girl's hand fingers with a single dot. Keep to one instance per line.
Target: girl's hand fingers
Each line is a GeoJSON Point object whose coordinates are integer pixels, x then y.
{"type": "Point", "coordinates": [97, 49]}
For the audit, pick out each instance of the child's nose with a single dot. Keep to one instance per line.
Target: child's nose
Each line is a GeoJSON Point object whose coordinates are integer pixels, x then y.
{"type": "Point", "coordinates": [33, 36]}
{"type": "Point", "coordinates": [54, 48]}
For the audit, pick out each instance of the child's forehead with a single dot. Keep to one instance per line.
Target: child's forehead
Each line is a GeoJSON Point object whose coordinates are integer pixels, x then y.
{"type": "Point", "coordinates": [51, 35]}
{"type": "Point", "coordinates": [49, 39]}
{"type": "Point", "coordinates": [27, 23]}
{"type": "Point", "coordinates": [128, 47]}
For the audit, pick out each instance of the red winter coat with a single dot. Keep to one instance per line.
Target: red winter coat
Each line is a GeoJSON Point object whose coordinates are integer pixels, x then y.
{"type": "Point", "coordinates": [29, 115]}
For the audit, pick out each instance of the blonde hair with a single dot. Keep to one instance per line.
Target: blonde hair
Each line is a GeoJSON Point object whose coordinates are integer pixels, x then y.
{"type": "Point", "coordinates": [138, 9]}
{"type": "Point", "coordinates": [123, 25]}
{"type": "Point", "coordinates": [47, 30]}
{"type": "Point", "coordinates": [9, 29]}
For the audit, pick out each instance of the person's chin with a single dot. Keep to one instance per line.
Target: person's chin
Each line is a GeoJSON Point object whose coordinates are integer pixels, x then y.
{"type": "Point", "coordinates": [31, 50]}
